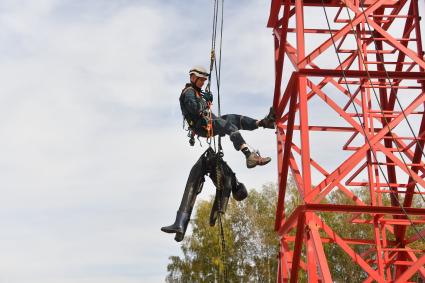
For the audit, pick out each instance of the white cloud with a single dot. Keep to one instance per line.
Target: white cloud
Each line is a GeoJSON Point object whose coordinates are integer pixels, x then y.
{"type": "Point", "coordinates": [77, 161]}
{"type": "Point", "coordinates": [94, 160]}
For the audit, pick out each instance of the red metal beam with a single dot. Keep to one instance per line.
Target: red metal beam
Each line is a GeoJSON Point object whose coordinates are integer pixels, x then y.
{"type": "Point", "coordinates": [284, 175]}
{"type": "Point", "coordinates": [411, 270]}
{"type": "Point", "coordinates": [372, 152]}
{"type": "Point", "coordinates": [297, 248]}
{"type": "Point", "coordinates": [320, 254]}
{"type": "Point", "coordinates": [363, 209]}
{"type": "Point", "coordinates": [356, 257]}
{"type": "Point", "coordinates": [360, 74]}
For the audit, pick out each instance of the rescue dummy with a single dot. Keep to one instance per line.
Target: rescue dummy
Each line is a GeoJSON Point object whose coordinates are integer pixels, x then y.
{"type": "Point", "coordinates": [216, 168]}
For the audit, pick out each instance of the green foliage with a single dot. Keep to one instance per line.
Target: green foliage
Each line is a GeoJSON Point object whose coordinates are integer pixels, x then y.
{"type": "Point", "coordinates": [342, 267]}
{"type": "Point", "coordinates": [251, 243]}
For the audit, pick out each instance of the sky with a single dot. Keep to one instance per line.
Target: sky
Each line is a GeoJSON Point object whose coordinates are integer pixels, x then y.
{"type": "Point", "coordinates": [94, 158]}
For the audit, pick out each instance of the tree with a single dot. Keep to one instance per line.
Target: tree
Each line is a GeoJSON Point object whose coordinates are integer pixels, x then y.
{"type": "Point", "coordinates": [251, 243]}
{"type": "Point", "coordinates": [342, 267]}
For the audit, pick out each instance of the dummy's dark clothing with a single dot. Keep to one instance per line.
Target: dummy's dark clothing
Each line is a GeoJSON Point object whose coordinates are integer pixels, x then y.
{"type": "Point", "coordinates": [194, 106]}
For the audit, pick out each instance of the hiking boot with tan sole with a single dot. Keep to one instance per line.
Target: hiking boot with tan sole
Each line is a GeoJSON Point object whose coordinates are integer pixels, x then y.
{"type": "Point", "coordinates": [255, 159]}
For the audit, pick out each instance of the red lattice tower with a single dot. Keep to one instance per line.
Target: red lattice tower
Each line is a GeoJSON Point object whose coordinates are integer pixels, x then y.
{"type": "Point", "coordinates": [357, 84]}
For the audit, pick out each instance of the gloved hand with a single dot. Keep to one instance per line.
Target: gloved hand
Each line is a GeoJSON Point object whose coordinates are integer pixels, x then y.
{"type": "Point", "coordinates": [207, 95]}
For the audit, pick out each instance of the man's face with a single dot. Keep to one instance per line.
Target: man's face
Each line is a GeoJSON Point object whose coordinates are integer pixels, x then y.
{"type": "Point", "coordinates": [199, 82]}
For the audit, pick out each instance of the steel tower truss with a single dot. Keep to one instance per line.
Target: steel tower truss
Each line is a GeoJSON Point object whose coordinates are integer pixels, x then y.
{"type": "Point", "coordinates": [351, 117]}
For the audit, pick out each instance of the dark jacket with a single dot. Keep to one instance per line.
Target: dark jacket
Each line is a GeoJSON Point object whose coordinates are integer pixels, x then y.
{"type": "Point", "coordinates": [193, 105]}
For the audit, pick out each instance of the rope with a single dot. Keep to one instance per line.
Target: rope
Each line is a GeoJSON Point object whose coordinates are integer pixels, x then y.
{"type": "Point", "coordinates": [219, 152]}
{"type": "Point", "coordinates": [218, 73]}
{"type": "Point", "coordinates": [358, 116]}
{"type": "Point", "coordinates": [219, 216]}
{"type": "Point", "coordinates": [218, 69]}
{"type": "Point", "coordinates": [379, 103]}
{"type": "Point", "coordinates": [381, 57]}
{"type": "Point", "coordinates": [213, 42]}
{"type": "Point", "coordinates": [213, 64]}
{"type": "Point", "coordinates": [395, 195]}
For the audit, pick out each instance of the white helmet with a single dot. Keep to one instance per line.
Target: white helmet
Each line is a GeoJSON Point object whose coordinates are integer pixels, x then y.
{"type": "Point", "coordinates": [200, 72]}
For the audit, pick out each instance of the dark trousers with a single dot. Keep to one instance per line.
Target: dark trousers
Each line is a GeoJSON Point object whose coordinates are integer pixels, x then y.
{"type": "Point", "coordinates": [230, 125]}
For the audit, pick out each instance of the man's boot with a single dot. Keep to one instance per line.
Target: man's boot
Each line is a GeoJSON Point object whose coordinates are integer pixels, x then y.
{"type": "Point", "coordinates": [178, 227]}
{"type": "Point", "coordinates": [268, 121]}
{"type": "Point", "coordinates": [255, 159]}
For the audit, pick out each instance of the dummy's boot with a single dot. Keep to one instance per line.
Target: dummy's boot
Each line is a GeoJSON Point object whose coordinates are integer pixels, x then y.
{"type": "Point", "coordinates": [180, 234]}
{"type": "Point", "coordinates": [255, 159]}
{"type": "Point", "coordinates": [268, 121]}
{"type": "Point", "coordinates": [196, 179]}
{"type": "Point", "coordinates": [194, 185]}
{"type": "Point", "coordinates": [179, 225]}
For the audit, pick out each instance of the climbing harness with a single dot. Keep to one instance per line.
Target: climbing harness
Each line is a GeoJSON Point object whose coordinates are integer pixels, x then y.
{"type": "Point", "coordinates": [206, 115]}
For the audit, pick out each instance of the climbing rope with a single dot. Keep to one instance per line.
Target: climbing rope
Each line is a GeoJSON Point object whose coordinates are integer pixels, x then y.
{"type": "Point", "coordinates": [358, 116]}
{"type": "Point", "coordinates": [381, 58]}
{"type": "Point", "coordinates": [386, 122]}
{"type": "Point", "coordinates": [210, 132]}
{"type": "Point", "coordinates": [392, 89]}
{"type": "Point", "coordinates": [394, 194]}
{"type": "Point", "coordinates": [219, 151]}
{"type": "Point", "coordinates": [220, 213]}
{"type": "Point", "coordinates": [213, 62]}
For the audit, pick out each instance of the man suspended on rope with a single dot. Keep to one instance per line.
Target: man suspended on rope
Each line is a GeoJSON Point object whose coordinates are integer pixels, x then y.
{"type": "Point", "coordinates": [195, 105]}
